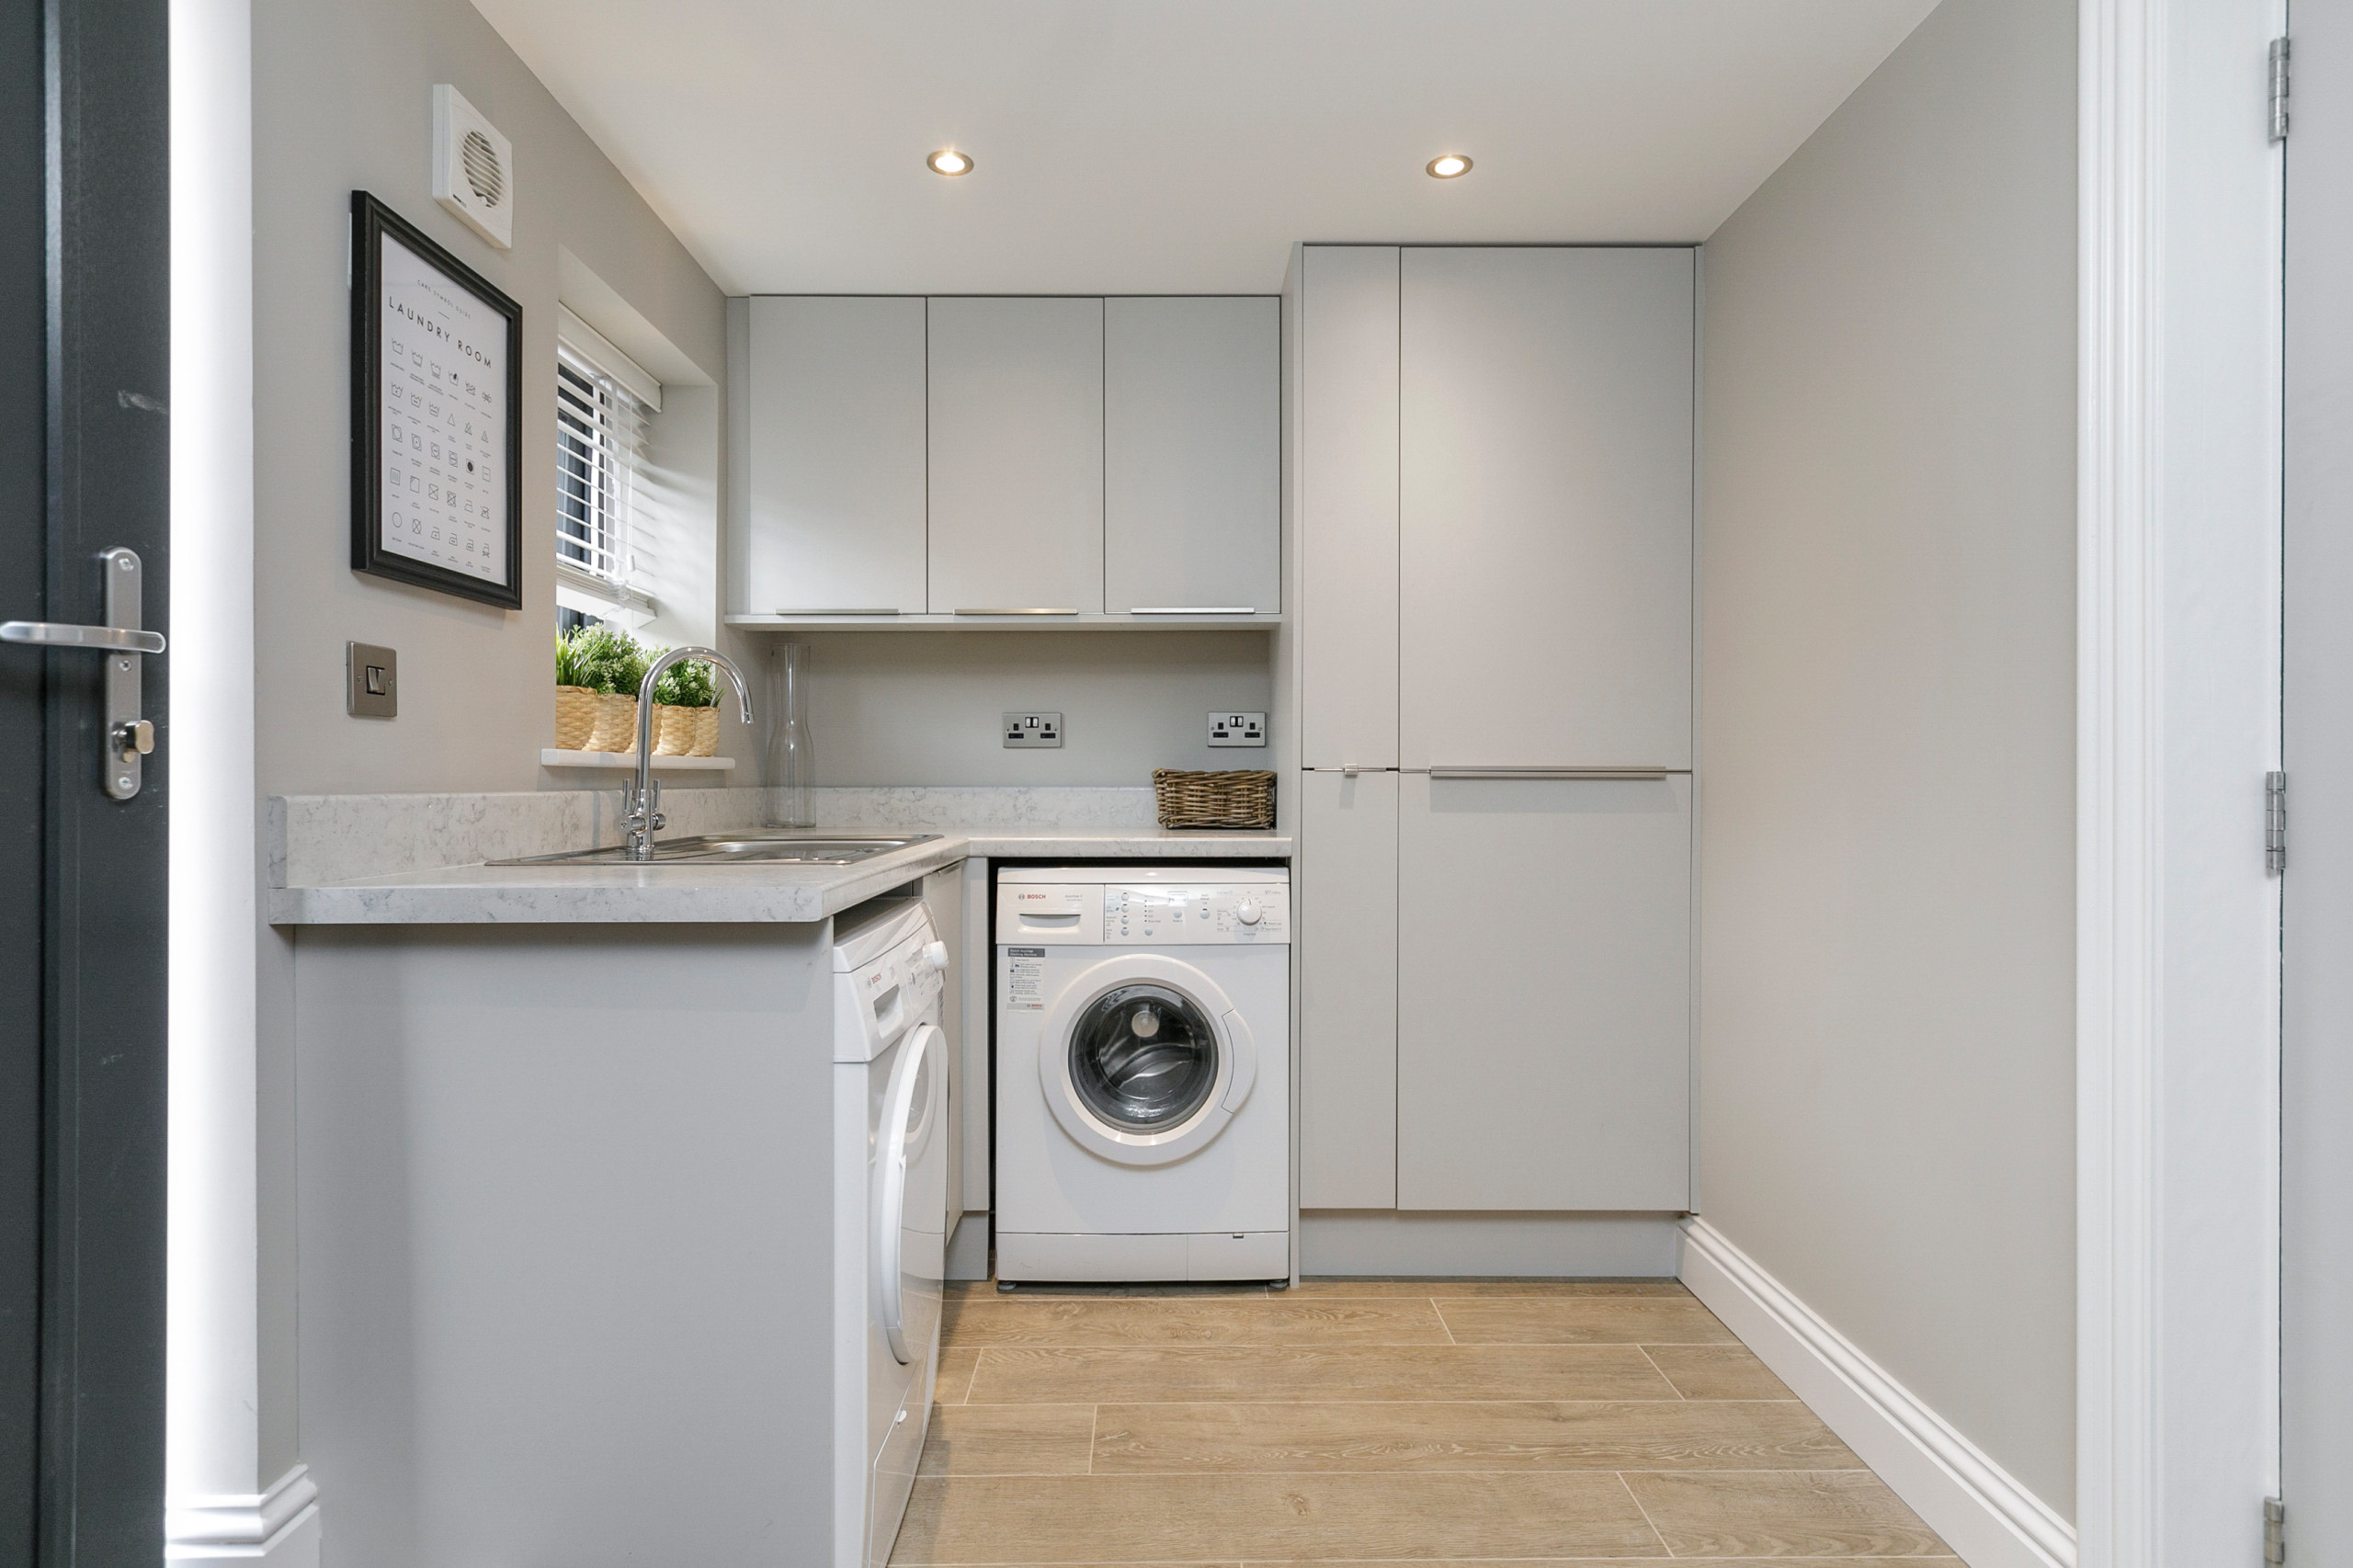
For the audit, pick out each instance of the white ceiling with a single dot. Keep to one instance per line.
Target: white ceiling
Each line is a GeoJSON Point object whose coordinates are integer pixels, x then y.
{"type": "Point", "coordinates": [1180, 145]}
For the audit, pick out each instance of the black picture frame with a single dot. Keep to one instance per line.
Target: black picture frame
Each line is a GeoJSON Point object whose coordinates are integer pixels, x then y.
{"type": "Point", "coordinates": [371, 221]}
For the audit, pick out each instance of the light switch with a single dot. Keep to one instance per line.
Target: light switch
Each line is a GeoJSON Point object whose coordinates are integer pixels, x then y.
{"type": "Point", "coordinates": [372, 681]}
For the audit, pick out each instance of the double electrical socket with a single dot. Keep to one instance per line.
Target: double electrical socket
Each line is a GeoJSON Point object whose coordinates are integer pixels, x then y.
{"type": "Point", "coordinates": [1237, 728]}
{"type": "Point", "coordinates": [1032, 730]}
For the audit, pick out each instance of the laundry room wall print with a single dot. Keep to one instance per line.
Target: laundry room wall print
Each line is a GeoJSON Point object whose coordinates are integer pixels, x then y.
{"type": "Point", "coordinates": [437, 387]}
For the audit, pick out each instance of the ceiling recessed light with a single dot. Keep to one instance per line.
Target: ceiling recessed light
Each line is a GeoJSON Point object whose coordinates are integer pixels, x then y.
{"type": "Point", "coordinates": [1448, 165]}
{"type": "Point", "coordinates": [947, 161]}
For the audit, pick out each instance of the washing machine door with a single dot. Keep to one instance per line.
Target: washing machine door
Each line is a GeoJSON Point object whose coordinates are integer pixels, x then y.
{"type": "Point", "coordinates": [910, 1195]}
{"type": "Point", "coordinates": [1144, 1060]}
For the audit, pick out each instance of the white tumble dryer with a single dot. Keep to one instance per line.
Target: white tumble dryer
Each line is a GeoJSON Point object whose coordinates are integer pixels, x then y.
{"type": "Point", "coordinates": [1143, 1073]}
{"type": "Point", "coordinates": [890, 1217]}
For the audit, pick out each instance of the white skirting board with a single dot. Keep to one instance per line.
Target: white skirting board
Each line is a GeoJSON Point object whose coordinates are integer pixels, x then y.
{"type": "Point", "coordinates": [279, 1527]}
{"type": "Point", "coordinates": [1437, 1245]}
{"type": "Point", "coordinates": [1982, 1512]}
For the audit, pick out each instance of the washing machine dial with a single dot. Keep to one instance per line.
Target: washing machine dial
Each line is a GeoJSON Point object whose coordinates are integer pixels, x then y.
{"type": "Point", "coordinates": [1247, 912]}
{"type": "Point", "coordinates": [936, 954]}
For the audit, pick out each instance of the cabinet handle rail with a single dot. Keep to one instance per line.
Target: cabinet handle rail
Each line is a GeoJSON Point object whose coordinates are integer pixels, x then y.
{"type": "Point", "coordinates": [1644, 773]}
{"type": "Point", "coordinates": [1017, 612]}
{"type": "Point", "coordinates": [1194, 609]}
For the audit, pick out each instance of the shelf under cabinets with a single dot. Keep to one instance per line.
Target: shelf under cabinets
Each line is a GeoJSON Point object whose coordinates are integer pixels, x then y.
{"type": "Point", "coordinates": [1090, 621]}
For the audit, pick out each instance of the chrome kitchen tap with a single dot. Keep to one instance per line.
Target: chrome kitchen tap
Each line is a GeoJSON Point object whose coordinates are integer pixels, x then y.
{"type": "Point", "coordinates": [641, 816]}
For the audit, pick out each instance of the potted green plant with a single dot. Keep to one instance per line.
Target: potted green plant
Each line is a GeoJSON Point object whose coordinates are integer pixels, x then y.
{"type": "Point", "coordinates": [685, 710]}
{"type": "Point", "coordinates": [609, 661]}
{"type": "Point", "coordinates": [576, 696]}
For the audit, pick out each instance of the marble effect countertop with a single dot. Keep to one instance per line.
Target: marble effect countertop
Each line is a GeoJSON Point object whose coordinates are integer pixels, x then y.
{"type": "Point", "coordinates": [701, 894]}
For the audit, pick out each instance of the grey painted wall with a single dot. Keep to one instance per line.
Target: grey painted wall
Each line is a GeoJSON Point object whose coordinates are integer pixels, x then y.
{"type": "Point", "coordinates": [922, 707]}
{"type": "Point", "coordinates": [1886, 1062]}
{"type": "Point", "coordinates": [342, 100]}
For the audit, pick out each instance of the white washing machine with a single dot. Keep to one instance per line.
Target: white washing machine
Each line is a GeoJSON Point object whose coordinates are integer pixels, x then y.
{"type": "Point", "coordinates": [890, 1214]}
{"type": "Point", "coordinates": [1143, 1073]}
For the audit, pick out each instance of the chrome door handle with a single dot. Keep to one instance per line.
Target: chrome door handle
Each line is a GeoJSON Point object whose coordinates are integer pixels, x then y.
{"type": "Point", "coordinates": [51, 634]}
{"type": "Point", "coordinates": [1017, 612]}
{"type": "Point", "coordinates": [128, 737]}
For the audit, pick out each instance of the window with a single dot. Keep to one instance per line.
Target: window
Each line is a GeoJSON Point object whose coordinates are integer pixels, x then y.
{"type": "Point", "coordinates": [603, 400]}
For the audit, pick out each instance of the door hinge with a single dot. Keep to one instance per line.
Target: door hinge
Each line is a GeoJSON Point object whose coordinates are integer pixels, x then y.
{"type": "Point", "coordinates": [2275, 821]}
{"type": "Point", "coordinates": [2275, 1531]}
{"type": "Point", "coordinates": [2279, 89]}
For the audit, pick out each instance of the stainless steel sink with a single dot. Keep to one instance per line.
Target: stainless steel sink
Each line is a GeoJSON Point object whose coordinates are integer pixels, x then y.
{"type": "Point", "coordinates": [779, 847]}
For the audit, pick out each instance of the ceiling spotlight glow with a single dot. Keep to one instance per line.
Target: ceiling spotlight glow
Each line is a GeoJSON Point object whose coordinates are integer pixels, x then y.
{"type": "Point", "coordinates": [947, 161]}
{"type": "Point", "coordinates": [1448, 165]}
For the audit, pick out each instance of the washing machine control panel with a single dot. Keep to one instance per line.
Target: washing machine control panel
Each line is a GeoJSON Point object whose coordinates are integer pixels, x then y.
{"type": "Point", "coordinates": [1163, 916]}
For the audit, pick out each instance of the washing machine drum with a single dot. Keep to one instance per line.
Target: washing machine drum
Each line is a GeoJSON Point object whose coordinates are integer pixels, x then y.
{"type": "Point", "coordinates": [1145, 1061]}
{"type": "Point", "coordinates": [1144, 1057]}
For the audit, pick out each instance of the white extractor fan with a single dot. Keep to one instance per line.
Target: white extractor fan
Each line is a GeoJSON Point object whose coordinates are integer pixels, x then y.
{"type": "Point", "coordinates": [473, 168]}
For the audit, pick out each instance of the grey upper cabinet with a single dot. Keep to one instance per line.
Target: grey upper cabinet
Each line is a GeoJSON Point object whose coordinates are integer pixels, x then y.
{"type": "Point", "coordinates": [837, 509]}
{"type": "Point", "coordinates": [1347, 442]}
{"type": "Point", "coordinates": [1191, 454]}
{"type": "Point", "coordinates": [1017, 454]}
{"type": "Point", "coordinates": [1545, 508]}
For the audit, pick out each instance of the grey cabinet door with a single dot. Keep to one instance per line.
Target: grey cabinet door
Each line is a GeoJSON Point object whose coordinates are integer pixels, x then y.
{"type": "Point", "coordinates": [1347, 443]}
{"type": "Point", "coordinates": [1017, 454]}
{"type": "Point", "coordinates": [1192, 453]}
{"type": "Point", "coordinates": [837, 460]}
{"type": "Point", "coordinates": [1545, 506]}
{"type": "Point", "coordinates": [1544, 993]}
{"type": "Point", "coordinates": [1346, 954]}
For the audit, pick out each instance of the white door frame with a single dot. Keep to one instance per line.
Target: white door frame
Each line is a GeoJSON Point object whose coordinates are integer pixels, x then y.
{"type": "Point", "coordinates": [2177, 721]}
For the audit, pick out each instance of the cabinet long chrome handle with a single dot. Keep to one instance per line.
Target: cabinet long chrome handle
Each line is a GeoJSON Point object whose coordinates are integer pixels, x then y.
{"type": "Point", "coordinates": [128, 738]}
{"type": "Point", "coordinates": [1017, 612]}
{"type": "Point", "coordinates": [1437, 772]}
{"type": "Point", "coordinates": [53, 634]}
{"type": "Point", "coordinates": [837, 612]}
{"type": "Point", "coordinates": [1194, 609]}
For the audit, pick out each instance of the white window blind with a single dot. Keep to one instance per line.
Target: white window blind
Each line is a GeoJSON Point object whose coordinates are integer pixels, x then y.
{"type": "Point", "coordinates": [600, 445]}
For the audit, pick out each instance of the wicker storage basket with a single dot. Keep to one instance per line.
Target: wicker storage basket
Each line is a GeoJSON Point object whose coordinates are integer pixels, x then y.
{"type": "Point", "coordinates": [706, 732]}
{"type": "Point", "coordinates": [615, 723]}
{"type": "Point", "coordinates": [1237, 799]}
{"type": "Point", "coordinates": [575, 717]}
{"type": "Point", "coordinates": [673, 730]}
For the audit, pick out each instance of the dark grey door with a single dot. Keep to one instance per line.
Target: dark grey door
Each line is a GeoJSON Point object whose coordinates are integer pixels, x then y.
{"type": "Point", "coordinates": [84, 250]}
{"type": "Point", "coordinates": [2317, 1123]}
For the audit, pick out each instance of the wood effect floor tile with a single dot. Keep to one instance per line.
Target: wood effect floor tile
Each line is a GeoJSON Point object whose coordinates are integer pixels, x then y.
{"type": "Point", "coordinates": [955, 1376]}
{"type": "Point", "coordinates": [1717, 1372]}
{"type": "Point", "coordinates": [977, 1324]}
{"type": "Point", "coordinates": [1115, 1518]}
{"type": "Point", "coordinates": [1350, 1372]}
{"type": "Point", "coordinates": [1624, 1320]}
{"type": "Point", "coordinates": [1338, 1285]}
{"type": "Point", "coordinates": [1009, 1439]}
{"type": "Point", "coordinates": [1437, 1435]}
{"type": "Point", "coordinates": [1822, 1513]}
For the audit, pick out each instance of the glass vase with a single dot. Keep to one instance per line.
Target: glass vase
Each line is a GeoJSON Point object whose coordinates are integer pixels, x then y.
{"type": "Point", "coordinates": [792, 772]}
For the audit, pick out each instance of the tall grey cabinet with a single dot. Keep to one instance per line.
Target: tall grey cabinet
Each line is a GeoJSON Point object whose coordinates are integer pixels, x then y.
{"type": "Point", "coordinates": [1516, 542]}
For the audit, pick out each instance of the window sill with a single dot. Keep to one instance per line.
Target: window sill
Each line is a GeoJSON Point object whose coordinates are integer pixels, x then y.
{"type": "Point", "coordinates": [552, 757]}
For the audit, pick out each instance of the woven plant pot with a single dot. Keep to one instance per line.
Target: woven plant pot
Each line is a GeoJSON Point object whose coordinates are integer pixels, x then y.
{"type": "Point", "coordinates": [575, 717]}
{"type": "Point", "coordinates": [1241, 797]}
{"type": "Point", "coordinates": [673, 730]}
{"type": "Point", "coordinates": [615, 723]}
{"type": "Point", "coordinates": [706, 732]}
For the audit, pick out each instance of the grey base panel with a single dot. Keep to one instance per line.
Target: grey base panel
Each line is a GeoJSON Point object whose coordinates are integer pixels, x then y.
{"type": "Point", "coordinates": [968, 1249]}
{"type": "Point", "coordinates": [1438, 1245]}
